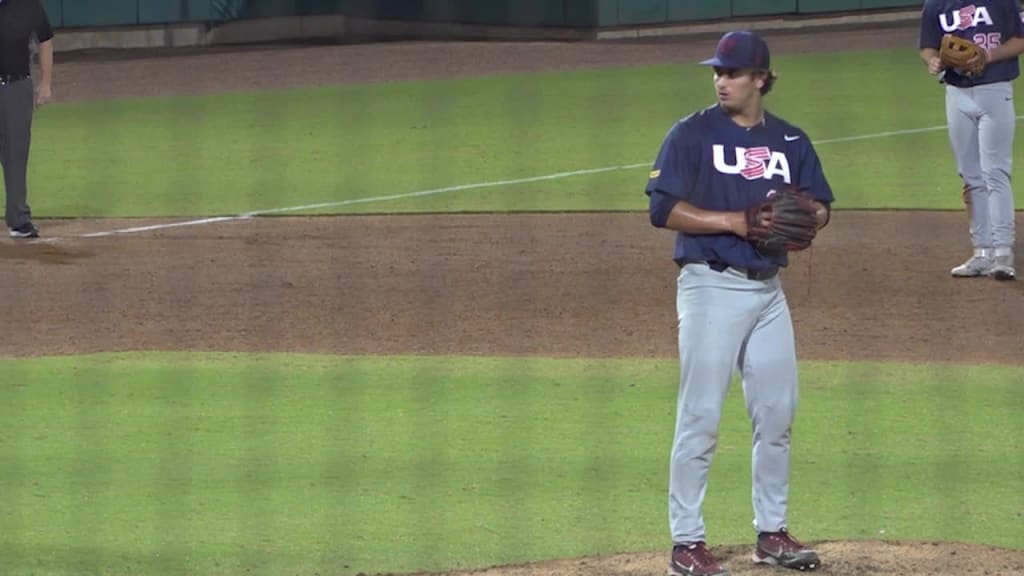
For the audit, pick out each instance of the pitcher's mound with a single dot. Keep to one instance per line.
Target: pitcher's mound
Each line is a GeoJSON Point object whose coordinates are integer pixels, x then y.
{"type": "Point", "coordinates": [838, 558]}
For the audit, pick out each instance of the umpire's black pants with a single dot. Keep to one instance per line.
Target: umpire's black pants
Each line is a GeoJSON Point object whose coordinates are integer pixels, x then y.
{"type": "Point", "coordinates": [17, 102]}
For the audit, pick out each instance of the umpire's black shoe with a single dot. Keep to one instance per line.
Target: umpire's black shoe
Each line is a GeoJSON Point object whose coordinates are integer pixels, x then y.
{"type": "Point", "coordinates": [26, 230]}
{"type": "Point", "coordinates": [781, 549]}
{"type": "Point", "coordinates": [694, 560]}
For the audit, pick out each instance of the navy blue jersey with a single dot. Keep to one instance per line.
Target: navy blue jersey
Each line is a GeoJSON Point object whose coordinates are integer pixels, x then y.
{"type": "Point", "coordinates": [987, 23]}
{"type": "Point", "coordinates": [711, 162]}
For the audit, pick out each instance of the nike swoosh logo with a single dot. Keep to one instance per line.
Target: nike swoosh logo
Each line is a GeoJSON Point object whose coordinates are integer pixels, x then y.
{"type": "Point", "coordinates": [790, 138]}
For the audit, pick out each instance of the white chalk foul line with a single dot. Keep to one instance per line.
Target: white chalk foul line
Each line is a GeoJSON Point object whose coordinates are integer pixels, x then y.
{"type": "Point", "coordinates": [433, 191]}
{"type": "Point", "coordinates": [457, 188]}
{"type": "Point", "coordinates": [304, 207]}
{"type": "Point", "coordinates": [163, 226]}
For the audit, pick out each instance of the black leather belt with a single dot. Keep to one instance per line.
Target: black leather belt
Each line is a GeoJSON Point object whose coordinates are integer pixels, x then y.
{"type": "Point", "coordinates": [719, 266]}
{"type": "Point", "coordinates": [11, 78]}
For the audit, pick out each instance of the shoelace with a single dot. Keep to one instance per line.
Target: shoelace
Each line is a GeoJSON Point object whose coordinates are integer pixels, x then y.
{"type": "Point", "coordinates": [699, 553]}
{"type": "Point", "coordinates": [785, 540]}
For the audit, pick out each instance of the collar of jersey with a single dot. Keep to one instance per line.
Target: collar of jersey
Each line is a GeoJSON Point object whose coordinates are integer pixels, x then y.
{"type": "Point", "coordinates": [763, 123]}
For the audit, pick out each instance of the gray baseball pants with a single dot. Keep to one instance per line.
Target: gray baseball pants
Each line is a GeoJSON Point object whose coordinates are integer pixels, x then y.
{"type": "Point", "coordinates": [729, 323]}
{"type": "Point", "coordinates": [981, 123]}
{"type": "Point", "coordinates": [17, 103]}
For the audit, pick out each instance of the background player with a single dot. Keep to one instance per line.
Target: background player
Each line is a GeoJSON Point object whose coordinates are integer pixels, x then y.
{"type": "Point", "coordinates": [732, 312]}
{"type": "Point", "coordinates": [20, 22]}
{"type": "Point", "coordinates": [981, 119]}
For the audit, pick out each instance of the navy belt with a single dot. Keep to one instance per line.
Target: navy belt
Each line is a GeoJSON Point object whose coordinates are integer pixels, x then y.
{"type": "Point", "coordinates": [719, 266]}
{"type": "Point", "coordinates": [12, 78]}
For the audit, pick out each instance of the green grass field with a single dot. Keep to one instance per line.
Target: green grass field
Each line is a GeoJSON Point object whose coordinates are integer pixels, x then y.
{"type": "Point", "coordinates": [234, 153]}
{"type": "Point", "coordinates": [223, 464]}
{"type": "Point", "coordinates": [230, 464]}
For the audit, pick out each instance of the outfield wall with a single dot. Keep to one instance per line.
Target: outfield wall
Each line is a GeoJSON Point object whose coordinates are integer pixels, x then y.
{"type": "Point", "coordinates": [147, 23]}
{"type": "Point", "coordinates": [556, 13]}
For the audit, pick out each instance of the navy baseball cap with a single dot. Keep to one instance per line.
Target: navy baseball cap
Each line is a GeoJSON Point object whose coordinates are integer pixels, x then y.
{"type": "Point", "coordinates": [741, 49]}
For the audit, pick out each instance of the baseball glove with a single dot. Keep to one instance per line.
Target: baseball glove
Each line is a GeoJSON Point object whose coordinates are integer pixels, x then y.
{"type": "Point", "coordinates": [787, 221]}
{"type": "Point", "coordinates": [962, 54]}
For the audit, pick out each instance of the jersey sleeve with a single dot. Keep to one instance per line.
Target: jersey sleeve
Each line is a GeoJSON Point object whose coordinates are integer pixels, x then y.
{"type": "Point", "coordinates": [670, 175]}
{"type": "Point", "coordinates": [670, 179]}
{"type": "Point", "coordinates": [43, 30]}
{"type": "Point", "coordinates": [811, 177]}
{"type": "Point", "coordinates": [1014, 18]}
{"type": "Point", "coordinates": [930, 35]}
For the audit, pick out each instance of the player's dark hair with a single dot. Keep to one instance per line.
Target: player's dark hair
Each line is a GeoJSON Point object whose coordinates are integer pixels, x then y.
{"type": "Point", "coordinates": [769, 80]}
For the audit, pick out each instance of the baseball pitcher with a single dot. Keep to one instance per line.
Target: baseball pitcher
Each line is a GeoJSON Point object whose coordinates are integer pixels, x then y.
{"type": "Point", "coordinates": [741, 188]}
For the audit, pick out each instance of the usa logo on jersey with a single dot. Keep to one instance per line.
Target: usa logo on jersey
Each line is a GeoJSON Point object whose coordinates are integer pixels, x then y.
{"type": "Point", "coordinates": [752, 163]}
{"type": "Point", "coordinates": [964, 18]}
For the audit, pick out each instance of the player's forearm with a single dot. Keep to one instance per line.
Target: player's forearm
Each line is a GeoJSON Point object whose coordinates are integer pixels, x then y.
{"type": "Point", "coordinates": [1009, 49]}
{"type": "Point", "coordinates": [45, 62]}
{"type": "Point", "coordinates": [929, 54]}
{"type": "Point", "coordinates": [689, 219]}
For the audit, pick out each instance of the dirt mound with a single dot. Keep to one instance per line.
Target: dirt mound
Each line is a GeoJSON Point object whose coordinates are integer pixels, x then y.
{"type": "Point", "coordinates": [561, 285]}
{"type": "Point", "coordinates": [843, 558]}
{"type": "Point", "coordinates": [43, 252]}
